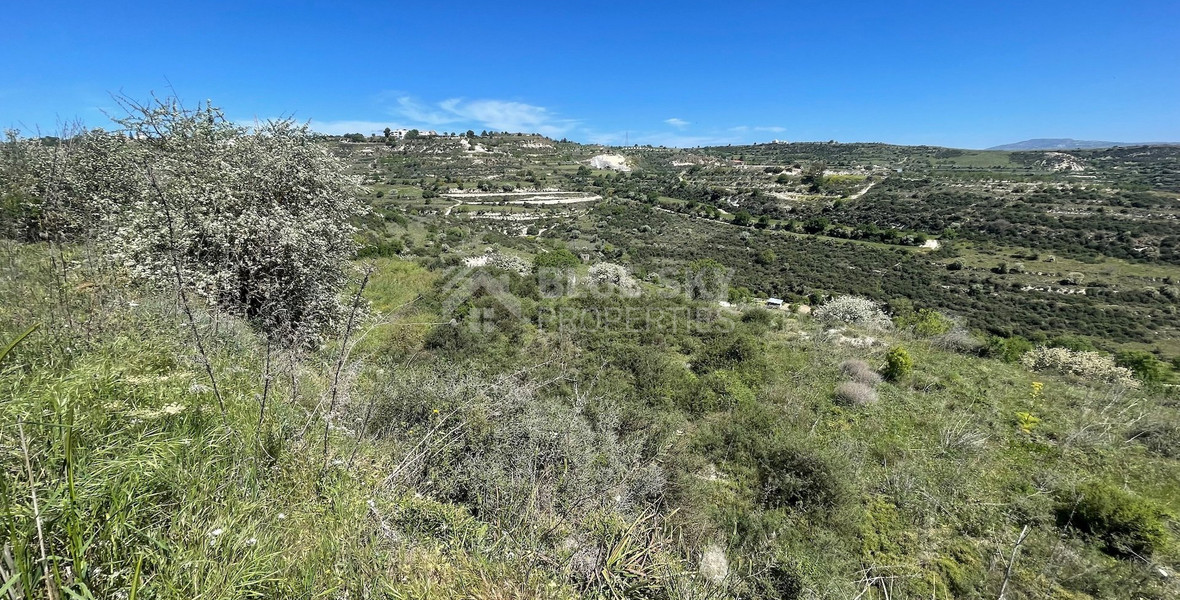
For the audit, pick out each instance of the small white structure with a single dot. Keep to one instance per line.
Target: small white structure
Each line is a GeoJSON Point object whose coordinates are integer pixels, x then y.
{"type": "Point", "coordinates": [774, 303]}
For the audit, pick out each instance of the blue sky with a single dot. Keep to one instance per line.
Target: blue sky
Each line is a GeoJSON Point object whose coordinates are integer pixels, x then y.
{"type": "Point", "coordinates": [673, 73]}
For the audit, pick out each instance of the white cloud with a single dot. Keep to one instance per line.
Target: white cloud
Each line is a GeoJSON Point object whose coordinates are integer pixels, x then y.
{"type": "Point", "coordinates": [680, 123]}
{"type": "Point", "coordinates": [410, 109]}
{"type": "Point", "coordinates": [757, 128]}
{"type": "Point", "coordinates": [501, 115]}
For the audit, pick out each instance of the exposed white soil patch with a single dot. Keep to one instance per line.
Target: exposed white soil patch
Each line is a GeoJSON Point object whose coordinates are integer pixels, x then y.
{"type": "Point", "coordinates": [617, 162]}
{"type": "Point", "coordinates": [1060, 161]}
{"type": "Point", "coordinates": [519, 198]}
{"type": "Point", "coordinates": [461, 195]}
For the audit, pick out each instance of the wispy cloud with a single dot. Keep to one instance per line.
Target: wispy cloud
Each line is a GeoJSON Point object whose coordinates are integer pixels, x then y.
{"type": "Point", "coordinates": [678, 123]}
{"type": "Point", "coordinates": [757, 129]}
{"type": "Point", "coordinates": [502, 115]}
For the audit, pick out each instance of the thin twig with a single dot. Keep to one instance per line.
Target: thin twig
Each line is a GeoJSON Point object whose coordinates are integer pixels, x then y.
{"type": "Point", "coordinates": [24, 444]}
{"type": "Point", "coordinates": [1012, 562]}
{"type": "Point", "coordinates": [192, 322]}
{"type": "Point", "coordinates": [266, 377]}
{"type": "Point", "coordinates": [340, 360]}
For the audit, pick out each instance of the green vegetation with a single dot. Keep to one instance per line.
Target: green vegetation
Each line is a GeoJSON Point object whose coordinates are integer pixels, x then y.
{"type": "Point", "coordinates": [898, 364]}
{"type": "Point", "coordinates": [590, 399]}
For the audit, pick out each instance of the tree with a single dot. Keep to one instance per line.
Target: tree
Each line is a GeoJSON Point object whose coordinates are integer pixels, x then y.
{"type": "Point", "coordinates": [742, 218]}
{"type": "Point", "coordinates": [388, 132]}
{"type": "Point", "coordinates": [813, 178]}
{"type": "Point", "coordinates": [816, 225]}
{"type": "Point", "coordinates": [412, 134]}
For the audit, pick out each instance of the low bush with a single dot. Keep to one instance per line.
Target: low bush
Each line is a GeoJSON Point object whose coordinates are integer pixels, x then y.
{"type": "Point", "coordinates": [258, 222]}
{"type": "Point", "coordinates": [1006, 349]}
{"type": "Point", "coordinates": [560, 258]}
{"type": "Point", "coordinates": [802, 478]}
{"type": "Point", "coordinates": [860, 372]}
{"type": "Point", "coordinates": [758, 316]}
{"type": "Point", "coordinates": [958, 340]}
{"type": "Point", "coordinates": [1144, 364]}
{"type": "Point", "coordinates": [1090, 366]}
{"type": "Point", "coordinates": [898, 364]}
{"type": "Point", "coordinates": [609, 276]}
{"type": "Point", "coordinates": [853, 310]}
{"type": "Point", "coordinates": [1161, 438]}
{"type": "Point", "coordinates": [1127, 524]}
{"type": "Point", "coordinates": [852, 393]}
{"type": "Point", "coordinates": [925, 323]}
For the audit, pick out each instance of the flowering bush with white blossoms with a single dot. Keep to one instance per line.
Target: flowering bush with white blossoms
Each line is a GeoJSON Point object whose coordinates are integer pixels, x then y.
{"type": "Point", "coordinates": [610, 274]}
{"type": "Point", "coordinates": [257, 221]}
{"type": "Point", "coordinates": [853, 310]}
{"type": "Point", "coordinates": [1086, 365]}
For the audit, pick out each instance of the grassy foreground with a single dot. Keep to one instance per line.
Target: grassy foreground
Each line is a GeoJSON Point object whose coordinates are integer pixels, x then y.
{"type": "Point", "coordinates": [411, 461]}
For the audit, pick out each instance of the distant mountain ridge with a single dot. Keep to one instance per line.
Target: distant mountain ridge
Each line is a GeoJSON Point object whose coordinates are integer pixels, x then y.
{"type": "Point", "coordinates": [1071, 144]}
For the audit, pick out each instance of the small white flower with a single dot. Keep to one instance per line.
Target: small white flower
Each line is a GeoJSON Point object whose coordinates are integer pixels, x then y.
{"type": "Point", "coordinates": [216, 532]}
{"type": "Point", "coordinates": [251, 541]}
{"type": "Point", "coordinates": [282, 516]}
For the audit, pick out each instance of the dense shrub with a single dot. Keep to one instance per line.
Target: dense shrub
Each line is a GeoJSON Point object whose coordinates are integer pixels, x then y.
{"type": "Point", "coordinates": [739, 350]}
{"type": "Point", "coordinates": [1144, 364]}
{"type": "Point", "coordinates": [719, 390]}
{"type": "Point", "coordinates": [898, 364]}
{"type": "Point", "coordinates": [1091, 366]}
{"type": "Point", "coordinates": [1072, 342]}
{"type": "Point", "coordinates": [577, 461]}
{"type": "Point", "coordinates": [800, 478]}
{"type": "Point", "coordinates": [1160, 437]}
{"type": "Point", "coordinates": [1006, 349]}
{"type": "Point", "coordinates": [925, 323]}
{"type": "Point", "coordinates": [758, 316]}
{"type": "Point", "coordinates": [256, 221]}
{"type": "Point", "coordinates": [853, 310]}
{"type": "Point", "coordinates": [609, 276]}
{"type": "Point", "coordinates": [852, 393]}
{"type": "Point", "coordinates": [560, 258]}
{"type": "Point", "coordinates": [782, 581]}
{"type": "Point", "coordinates": [1127, 524]}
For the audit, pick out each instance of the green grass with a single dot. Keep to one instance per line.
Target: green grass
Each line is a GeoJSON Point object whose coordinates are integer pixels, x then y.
{"type": "Point", "coordinates": [145, 485]}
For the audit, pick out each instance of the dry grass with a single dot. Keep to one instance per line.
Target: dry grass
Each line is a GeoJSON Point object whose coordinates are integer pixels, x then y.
{"type": "Point", "coordinates": [860, 372]}
{"type": "Point", "coordinates": [855, 394]}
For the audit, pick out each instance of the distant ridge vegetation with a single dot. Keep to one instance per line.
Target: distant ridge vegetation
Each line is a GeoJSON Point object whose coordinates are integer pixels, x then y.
{"type": "Point", "coordinates": [1071, 144]}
